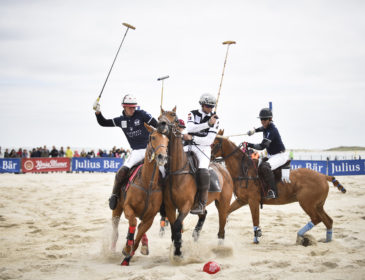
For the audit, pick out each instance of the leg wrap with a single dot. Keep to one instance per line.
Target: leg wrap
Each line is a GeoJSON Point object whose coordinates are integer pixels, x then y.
{"type": "Point", "coordinates": [329, 235]}
{"type": "Point", "coordinates": [304, 229]}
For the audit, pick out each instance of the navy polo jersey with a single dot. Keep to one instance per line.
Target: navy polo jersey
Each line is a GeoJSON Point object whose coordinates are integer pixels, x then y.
{"type": "Point", "coordinates": [133, 128]}
{"type": "Point", "coordinates": [276, 146]}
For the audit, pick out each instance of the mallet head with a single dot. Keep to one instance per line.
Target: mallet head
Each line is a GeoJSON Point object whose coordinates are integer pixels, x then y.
{"type": "Point", "coordinates": [163, 78]}
{"type": "Point", "coordinates": [229, 42]}
{"type": "Point", "coordinates": [129, 26]}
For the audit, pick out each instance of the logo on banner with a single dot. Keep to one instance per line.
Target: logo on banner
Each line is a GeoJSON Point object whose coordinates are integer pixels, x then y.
{"type": "Point", "coordinates": [28, 165]}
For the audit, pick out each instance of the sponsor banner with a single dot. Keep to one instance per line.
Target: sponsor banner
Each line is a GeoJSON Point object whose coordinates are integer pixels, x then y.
{"type": "Point", "coordinates": [10, 165]}
{"type": "Point", "coordinates": [346, 167]}
{"type": "Point", "coordinates": [316, 165]}
{"type": "Point", "coordinates": [97, 164]}
{"type": "Point", "coordinates": [46, 164]}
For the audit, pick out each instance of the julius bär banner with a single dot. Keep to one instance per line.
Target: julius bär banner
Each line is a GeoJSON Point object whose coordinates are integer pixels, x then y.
{"type": "Point", "coordinates": [10, 165]}
{"type": "Point", "coordinates": [332, 167]}
{"type": "Point", "coordinates": [316, 165]}
{"type": "Point", "coordinates": [97, 164]}
{"type": "Point", "coordinates": [45, 164]}
{"type": "Point", "coordinates": [346, 167]}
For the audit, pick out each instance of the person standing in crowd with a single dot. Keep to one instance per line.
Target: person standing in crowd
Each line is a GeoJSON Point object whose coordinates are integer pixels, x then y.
{"type": "Point", "coordinates": [25, 153]}
{"type": "Point", "coordinates": [61, 153]}
{"type": "Point", "coordinates": [275, 150]}
{"type": "Point", "coordinates": [6, 153]}
{"type": "Point", "coordinates": [19, 153]}
{"type": "Point", "coordinates": [132, 123]}
{"type": "Point", "coordinates": [90, 154]}
{"type": "Point", "coordinates": [83, 153]}
{"type": "Point", "coordinates": [202, 128]}
{"type": "Point", "coordinates": [45, 152]}
{"type": "Point", "coordinates": [54, 152]}
{"type": "Point", "coordinates": [69, 153]}
{"type": "Point", "coordinates": [76, 154]}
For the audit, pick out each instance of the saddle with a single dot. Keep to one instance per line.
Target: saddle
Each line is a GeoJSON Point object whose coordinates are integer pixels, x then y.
{"type": "Point", "coordinates": [193, 162]}
{"type": "Point", "coordinates": [133, 173]}
{"type": "Point", "coordinates": [282, 172]}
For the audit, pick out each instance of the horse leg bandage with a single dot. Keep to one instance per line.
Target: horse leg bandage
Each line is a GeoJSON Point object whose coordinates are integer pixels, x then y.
{"type": "Point", "coordinates": [329, 235]}
{"type": "Point", "coordinates": [130, 236]}
{"type": "Point", "coordinates": [304, 229]}
{"type": "Point", "coordinates": [257, 234]}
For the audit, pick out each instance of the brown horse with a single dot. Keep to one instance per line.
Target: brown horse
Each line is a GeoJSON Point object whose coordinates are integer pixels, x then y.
{"type": "Point", "coordinates": [306, 186]}
{"type": "Point", "coordinates": [143, 198]}
{"type": "Point", "coordinates": [180, 188]}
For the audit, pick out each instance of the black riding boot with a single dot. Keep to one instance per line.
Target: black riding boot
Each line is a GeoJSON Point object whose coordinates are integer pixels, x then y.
{"type": "Point", "coordinates": [269, 179]}
{"type": "Point", "coordinates": [203, 180]}
{"type": "Point", "coordinates": [120, 178]}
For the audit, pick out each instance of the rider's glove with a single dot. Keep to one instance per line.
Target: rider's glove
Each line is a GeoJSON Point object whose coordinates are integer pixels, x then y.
{"type": "Point", "coordinates": [96, 106]}
{"type": "Point", "coordinates": [251, 132]}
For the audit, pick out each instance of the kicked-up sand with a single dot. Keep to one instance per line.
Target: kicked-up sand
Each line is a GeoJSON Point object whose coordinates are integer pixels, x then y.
{"type": "Point", "coordinates": [58, 226]}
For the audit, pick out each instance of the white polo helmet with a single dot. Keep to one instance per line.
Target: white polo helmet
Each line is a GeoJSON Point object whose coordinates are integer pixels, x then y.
{"type": "Point", "coordinates": [129, 101]}
{"type": "Point", "coordinates": [207, 99]}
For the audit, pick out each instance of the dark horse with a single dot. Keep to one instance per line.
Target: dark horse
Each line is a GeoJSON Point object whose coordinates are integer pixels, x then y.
{"type": "Point", "coordinates": [143, 197]}
{"type": "Point", "coordinates": [180, 187]}
{"type": "Point", "coordinates": [306, 186]}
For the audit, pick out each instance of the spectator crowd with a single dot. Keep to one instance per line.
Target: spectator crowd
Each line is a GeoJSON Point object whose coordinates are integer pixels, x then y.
{"type": "Point", "coordinates": [45, 152]}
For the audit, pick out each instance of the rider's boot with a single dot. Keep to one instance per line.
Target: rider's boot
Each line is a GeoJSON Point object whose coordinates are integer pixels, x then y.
{"type": "Point", "coordinates": [269, 179]}
{"type": "Point", "coordinates": [203, 180]}
{"type": "Point", "coordinates": [120, 178]}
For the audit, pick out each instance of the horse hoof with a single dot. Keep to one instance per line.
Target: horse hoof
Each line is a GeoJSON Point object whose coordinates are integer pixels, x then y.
{"type": "Point", "coordinates": [196, 235]}
{"type": "Point", "coordinates": [144, 250]}
{"type": "Point", "coordinates": [124, 263]}
{"type": "Point", "coordinates": [220, 241]}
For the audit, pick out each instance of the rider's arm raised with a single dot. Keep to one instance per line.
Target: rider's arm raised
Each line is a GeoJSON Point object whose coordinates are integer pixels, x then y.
{"type": "Point", "coordinates": [103, 121]}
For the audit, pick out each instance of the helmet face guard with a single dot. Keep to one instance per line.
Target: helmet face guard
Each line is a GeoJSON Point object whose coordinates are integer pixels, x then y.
{"type": "Point", "coordinates": [129, 101]}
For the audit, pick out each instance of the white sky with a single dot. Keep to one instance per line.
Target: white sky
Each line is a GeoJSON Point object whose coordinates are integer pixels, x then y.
{"type": "Point", "coordinates": [307, 57]}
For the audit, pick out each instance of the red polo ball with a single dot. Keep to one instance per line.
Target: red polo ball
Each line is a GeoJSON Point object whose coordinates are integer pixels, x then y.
{"type": "Point", "coordinates": [211, 267]}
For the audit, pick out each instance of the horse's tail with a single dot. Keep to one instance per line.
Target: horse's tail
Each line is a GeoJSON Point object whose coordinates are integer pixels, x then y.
{"type": "Point", "coordinates": [336, 183]}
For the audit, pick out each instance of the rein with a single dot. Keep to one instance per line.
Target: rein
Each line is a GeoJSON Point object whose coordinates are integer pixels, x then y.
{"type": "Point", "coordinates": [244, 170]}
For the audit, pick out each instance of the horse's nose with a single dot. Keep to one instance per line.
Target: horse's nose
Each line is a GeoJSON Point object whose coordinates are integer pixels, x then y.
{"type": "Point", "coordinates": [163, 123]}
{"type": "Point", "coordinates": [162, 159]}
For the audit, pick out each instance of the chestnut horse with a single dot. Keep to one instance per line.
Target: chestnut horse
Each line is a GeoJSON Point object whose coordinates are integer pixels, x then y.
{"type": "Point", "coordinates": [143, 197]}
{"type": "Point", "coordinates": [306, 186]}
{"type": "Point", "coordinates": [180, 187]}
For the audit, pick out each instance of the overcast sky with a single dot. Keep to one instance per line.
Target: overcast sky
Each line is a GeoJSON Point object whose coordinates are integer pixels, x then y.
{"type": "Point", "coordinates": [307, 57]}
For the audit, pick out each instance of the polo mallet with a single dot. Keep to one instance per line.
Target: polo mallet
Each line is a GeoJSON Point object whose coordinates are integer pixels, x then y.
{"type": "Point", "coordinates": [162, 79]}
{"type": "Point", "coordinates": [107, 77]}
{"type": "Point", "coordinates": [228, 43]}
{"type": "Point", "coordinates": [233, 135]}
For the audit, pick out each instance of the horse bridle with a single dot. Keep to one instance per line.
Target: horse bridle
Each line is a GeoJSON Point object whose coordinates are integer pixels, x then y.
{"type": "Point", "coordinates": [244, 170]}
{"type": "Point", "coordinates": [151, 154]}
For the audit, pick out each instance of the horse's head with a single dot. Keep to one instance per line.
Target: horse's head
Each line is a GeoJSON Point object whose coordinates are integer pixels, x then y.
{"type": "Point", "coordinates": [157, 146]}
{"type": "Point", "coordinates": [217, 145]}
{"type": "Point", "coordinates": [168, 121]}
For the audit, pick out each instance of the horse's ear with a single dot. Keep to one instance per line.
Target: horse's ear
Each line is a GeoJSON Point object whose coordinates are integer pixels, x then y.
{"type": "Point", "coordinates": [221, 132]}
{"type": "Point", "coordinates": [162, 110]}
{"type": "Point", "coordinates": [149, 128]}
{"type": "Point", "coordinates": [174, 110]}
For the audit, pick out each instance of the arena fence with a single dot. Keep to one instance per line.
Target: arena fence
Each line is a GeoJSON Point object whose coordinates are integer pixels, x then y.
{"type": "Point", "coordinates": [39, 165]}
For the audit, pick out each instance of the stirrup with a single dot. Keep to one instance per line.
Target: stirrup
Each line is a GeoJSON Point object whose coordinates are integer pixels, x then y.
{"type": "Point", "coordinates": [113, 201]}
{"type": "Point", "coordinates": [270, 194]}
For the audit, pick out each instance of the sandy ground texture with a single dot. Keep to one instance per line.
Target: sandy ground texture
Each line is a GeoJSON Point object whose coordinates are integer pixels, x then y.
{"type": "Point", "coordinates": [57, 226]}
